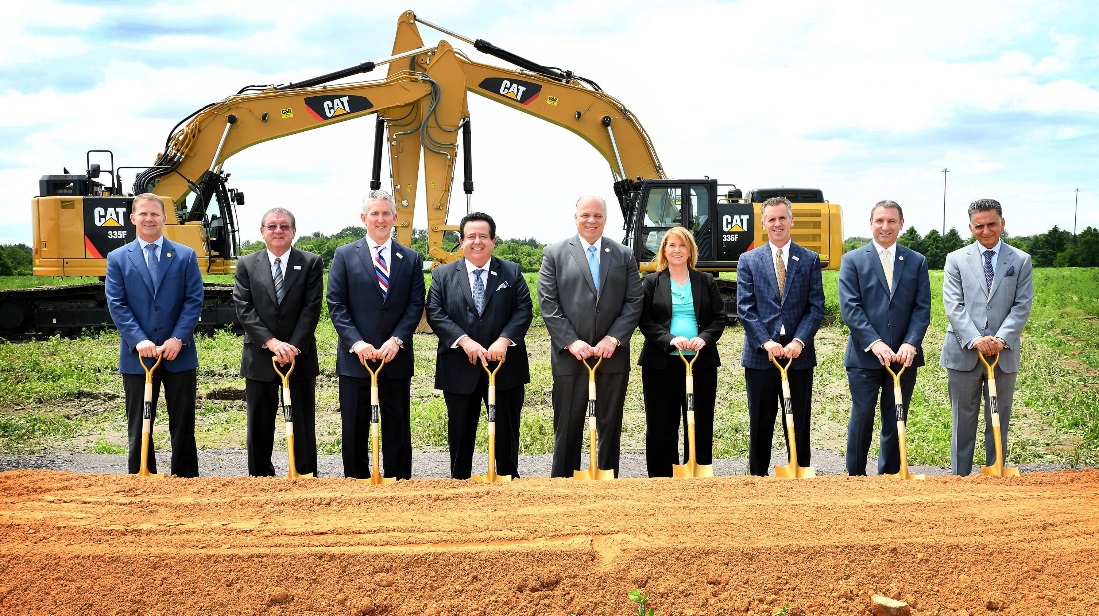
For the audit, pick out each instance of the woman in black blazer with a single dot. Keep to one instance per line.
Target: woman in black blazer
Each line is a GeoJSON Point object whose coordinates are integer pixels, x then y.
{"type": "Point", "coordinates": [682, 309]}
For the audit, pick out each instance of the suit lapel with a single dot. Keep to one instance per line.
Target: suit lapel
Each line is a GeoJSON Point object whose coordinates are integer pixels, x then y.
{"type": "Point", "coordinates": [492, 280]}
{"type": "Point", "coordinates": [877, 267]}
{"type": "Point", "coordinates": [793, 264]}
{"type": "Point", "coordinates": [605, 264]}
{"type": "Point", "coordinates": [290, 275]}
{"type": "Point", "coordinates": [767, 257]}
{"type": "Point", "coordinates": [899, 260]}
{"type": "Point", "coordinates": [1003, 264]}
{"type": "Point", "coordinates": [366, 257]}
{"type": "Point", "coordinates": [261, 271]}
{"type": "Point", "coordinates": [976, 263]}
{"type": "Point", "coordinates": [137, 259]}
{"type": "Point", "coordinates": [696, 292]}
{"type": "Point", "coordinates": [461, 278]}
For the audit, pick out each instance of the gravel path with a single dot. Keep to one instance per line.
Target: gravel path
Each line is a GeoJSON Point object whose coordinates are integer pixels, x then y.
{"type": "Point", "coordinates": [232, 463]}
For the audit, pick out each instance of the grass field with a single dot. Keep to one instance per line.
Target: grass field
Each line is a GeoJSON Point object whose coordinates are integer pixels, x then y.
{"type": "Point", "coordinates": [64, 395]}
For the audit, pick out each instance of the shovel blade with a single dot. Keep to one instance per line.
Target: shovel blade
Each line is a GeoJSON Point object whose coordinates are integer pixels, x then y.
{"type": "Point", "coordinates": [593, 473]}
{"type": "Point", "coordinates": [691, 469]}
{"type": "Point", "coordinates": [793, 471]}
{"type": "Point", "coordinates": [904, 474]}
{"type": "Point", "coordinates": [999, 471]}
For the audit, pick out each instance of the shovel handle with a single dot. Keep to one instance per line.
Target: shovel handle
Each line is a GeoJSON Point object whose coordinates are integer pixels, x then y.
{"type": "Point", "coordinates": [989, 367]}
{"type": "Point", "coordinates": [896, 375]}
{"type": "Point", "coordinates": [491, 372]}
{"type": "Point", "coordinates": [689, 364]}
{"type": "Point", "coordinates": [783, 369]}
{"type": "Point", "coordinates": [591, 368]}
{"type": "Point", "coordinates": [285, 376]}
{"type": "Point", "coordinates": [149, 371]}
{"type": "Point", "coordinates": [373, 372]}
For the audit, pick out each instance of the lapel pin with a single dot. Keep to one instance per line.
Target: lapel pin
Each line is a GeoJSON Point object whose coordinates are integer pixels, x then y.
{"type": "Point", "coordinates": [169, 255]}
{"type": "Point", "coordinates": [606, 250]}
{"type": "Point", "coordinates": [400, 256]}
{"type": "Point", "coordinates": [297, 267]}
{"type": "Point", "coordinates": [796, 258]}
{"type": "Point", "coordinates": [493, 273]}
{"type": "Point", "coordinates": [900, 258]}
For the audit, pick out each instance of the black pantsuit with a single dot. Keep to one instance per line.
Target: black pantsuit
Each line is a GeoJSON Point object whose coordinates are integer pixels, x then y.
{"type": "Point", "coordinates": [764, 388]}
{"type": "Point", "coordinates": [666, 409]}
{"type": "Point", "coordinates": [265, 415]}
{"type": "Point", "coordinates": [396, 434]}
{"type": "Point", "coordinates": [180, 392]}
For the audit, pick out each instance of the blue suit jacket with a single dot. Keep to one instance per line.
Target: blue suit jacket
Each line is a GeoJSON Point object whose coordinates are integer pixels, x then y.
{"type": "Point", "coordinates": [358, 311]}
{"type": "Point", "coordinates": [140, 313]}
{"type": "Point", "coordinates": [763, 312]}
{"type": "Point", "coordinates": [872, 312]}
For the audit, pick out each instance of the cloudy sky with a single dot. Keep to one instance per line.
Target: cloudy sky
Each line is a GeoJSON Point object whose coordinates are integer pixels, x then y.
{"type": "Point", "coordinates": [866, 100]}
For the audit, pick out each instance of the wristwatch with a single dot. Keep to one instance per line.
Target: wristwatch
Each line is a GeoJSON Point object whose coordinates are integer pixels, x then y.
{"type": "Point", "coordinates": [399, 342]}
{"type": "Point", "coordinates": [614, 341]}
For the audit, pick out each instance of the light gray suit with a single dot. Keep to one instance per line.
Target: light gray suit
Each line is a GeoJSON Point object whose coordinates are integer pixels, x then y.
{"type": "Point", "coordinates": [573, 310]}
{"type": "Point", "coordinates": [974, 311]}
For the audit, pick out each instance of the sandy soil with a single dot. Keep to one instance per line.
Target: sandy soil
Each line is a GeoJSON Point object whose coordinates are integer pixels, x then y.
{"type": "Point", "coordinates": [111, 544]}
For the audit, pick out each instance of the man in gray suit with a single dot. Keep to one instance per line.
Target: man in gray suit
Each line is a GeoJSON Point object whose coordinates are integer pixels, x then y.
{"type": "Point", "coordinates": [479, 307]}
{"type": "Point", "coordinates": [987, 293]}
{"type": "Point", "coordinates": [589, 290]}
{"type": "Point", "coordinates": [885, 299]}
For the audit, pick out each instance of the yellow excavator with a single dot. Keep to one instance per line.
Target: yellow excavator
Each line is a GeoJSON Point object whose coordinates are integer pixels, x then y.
{"type": "Point", "coordinates": [78, 219]}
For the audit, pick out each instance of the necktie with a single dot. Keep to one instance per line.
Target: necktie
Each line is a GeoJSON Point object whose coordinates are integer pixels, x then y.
{"type": "Point", "coordinates": [887, 265]}
{"type": "Point", "coordinates": [988, 270]}
{"type": "Point", "coordinates": [780, 273]}
{"type": "Point", "coordinates": [478, 290]}
{"type": "Point", "coordinates": [280, 290]}
{"type": "Point", "coordinates": [593, 265]}
{"type": "Point", "coordinates": [154, 263]}
{"type": "Point", "coordinates": [382, 270]}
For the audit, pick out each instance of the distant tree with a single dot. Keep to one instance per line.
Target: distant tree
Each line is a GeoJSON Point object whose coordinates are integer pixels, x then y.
{"type": "Point", "coordinates": [933, 250]}
{"type": "Point", "coordinates": [911, 239]}
{"type": "Point", "coordinates": [248, 248]}
{"type": "Point", "coordinates": [1087, 248]}
{"type": "Point", "coordinates": [15, 260]}
{"type": "Point", "coordinates": [1049, 245]}
{"type": "Point", "coordinates": [853, 243]}
{"type": "Point", "coordinates": [951, 242]}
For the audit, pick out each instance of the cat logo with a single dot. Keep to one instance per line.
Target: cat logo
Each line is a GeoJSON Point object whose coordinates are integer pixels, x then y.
{"type": "Point", "coordinates": [335, 106]}
{"type": "Point", "coordinates": [734, 223]}
{"type": "Point", "coordinates": [551, 101]}
{"type": "Point", "coordinates": [109, 216]}
{"type": "Point", "coordinates": [522, 92]}
{"type": "Point", "coordinates": [287, 113]}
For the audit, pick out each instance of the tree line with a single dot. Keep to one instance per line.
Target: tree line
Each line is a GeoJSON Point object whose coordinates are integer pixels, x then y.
{"type": "Point", "coordinates": [1054, 248]}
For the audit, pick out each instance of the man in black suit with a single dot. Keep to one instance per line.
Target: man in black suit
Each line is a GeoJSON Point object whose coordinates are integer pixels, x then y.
{"type": "Point", "coordinates": [480, 308]}
{"type": "Point", "coordinates": [780, 301]}
{"type": "Point", "coordinates": [590, 293]}
{"type": "Point", "coordinates": [278, 293]}
{"type": "Point", "coordinates": [376, 299]}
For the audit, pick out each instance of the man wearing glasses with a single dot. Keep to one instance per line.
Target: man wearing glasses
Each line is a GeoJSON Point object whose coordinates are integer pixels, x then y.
{"type": "Point", "coordinates": [278, 294]}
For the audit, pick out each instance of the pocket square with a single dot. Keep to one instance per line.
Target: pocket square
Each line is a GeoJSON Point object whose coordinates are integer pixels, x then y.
{"type": "Point", "coordinates": [503, 285]}
{"type": "Point", "coordinates": [1010, 271]}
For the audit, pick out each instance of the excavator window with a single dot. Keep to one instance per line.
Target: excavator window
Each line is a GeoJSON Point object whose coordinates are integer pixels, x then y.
{"type": "Point", "coordinates": [700, 221]}
{"type": "Point", "coordinates": [662, 212]}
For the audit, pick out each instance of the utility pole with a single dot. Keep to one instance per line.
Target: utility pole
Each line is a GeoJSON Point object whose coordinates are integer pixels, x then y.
{"type": "Point", "coordinates": [1075, 209]}
{"type": "Point", "coordinates": [945, 171]}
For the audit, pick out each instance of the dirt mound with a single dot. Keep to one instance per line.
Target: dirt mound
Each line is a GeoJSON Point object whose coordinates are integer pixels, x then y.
{"type": "Point", "coordinates": [83, 544]}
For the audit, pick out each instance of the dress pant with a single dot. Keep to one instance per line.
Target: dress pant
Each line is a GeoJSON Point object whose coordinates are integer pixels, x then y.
{"type": "Point", "coordinates": [865, 384]}
{"type": "Point", "coordinates": [463, 414]}
{"type": "Point", "coordinates": [968, 394]}
{"type": "Point", "coordinates": [394, 396]}
{"type": "Point", "coordinates": [570, 423]}
{"type": "Point", "coordinates": [764, 388]}
{"type": "Point", "coordinates": [665, 391]}
{"type": "Point", "coordinates": [264, 415]}
{"type": "Point", "coordinates": [180, 392]}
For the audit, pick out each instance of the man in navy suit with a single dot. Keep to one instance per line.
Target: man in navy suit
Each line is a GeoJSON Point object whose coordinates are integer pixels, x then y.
{"type": "Point", "coordinates": [376, 299]}
{"type": "Point", "coordinates": [480, 308]}
{"type": "Point", "coordinates": [278, 293]}
{"type": "Point", "coordinates": [885, 299]}
{"type": "Point", "coordinates": [154, 294]}
{"type": "Point", "coordinates": [780, 302]}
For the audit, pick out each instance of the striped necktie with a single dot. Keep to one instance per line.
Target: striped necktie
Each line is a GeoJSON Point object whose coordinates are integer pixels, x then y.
{"type": "Point", "coordinates": [382, 270]}
{"type": "Point", "coordinates": [276, 272]}
{"type": "Point", "coordinates": [989, 272]}
{"type": "Point", "coordinates": [479, 290]}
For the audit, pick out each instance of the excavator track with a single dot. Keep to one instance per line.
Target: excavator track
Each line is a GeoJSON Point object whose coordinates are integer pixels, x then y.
{"type": "Point", "coordinates": [70, 311]}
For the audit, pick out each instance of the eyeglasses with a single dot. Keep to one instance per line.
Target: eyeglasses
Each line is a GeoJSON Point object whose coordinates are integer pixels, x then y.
{"type": "Point", "coordinates": [273, 227]}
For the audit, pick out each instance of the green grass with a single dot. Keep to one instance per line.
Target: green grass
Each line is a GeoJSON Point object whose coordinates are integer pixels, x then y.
{"type": "Point", "coordinates": [65, 395]}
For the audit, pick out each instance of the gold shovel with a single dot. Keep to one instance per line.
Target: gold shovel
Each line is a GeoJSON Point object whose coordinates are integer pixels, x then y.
{"type": "Point", "coordinates": [902, 421]}
{"type": "Point", "coordinates": [692, 468]}
{"type": "Point", "coordinates": [998, 469]}
{"type": "Point", "coordinates": [375, 420]}
{"type": "Point", "coordinates": [593, 472]}
{"type": "Point", "coordinates": [288, 415]}
{"type": "Point", "coordinates": [147, 418]}
{"type": "Point", "coordinates": [791, 470]}
{"type": "Point", "coordinates": [490, 476]}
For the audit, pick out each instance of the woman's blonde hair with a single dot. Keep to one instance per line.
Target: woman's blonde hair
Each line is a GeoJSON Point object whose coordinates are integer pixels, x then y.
{"type": "Point", "coordinates": [682, 235]}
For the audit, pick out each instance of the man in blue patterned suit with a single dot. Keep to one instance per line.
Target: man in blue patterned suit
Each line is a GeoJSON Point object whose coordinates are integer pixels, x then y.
{"type": "Point", "coordinates": [154, 294]}
{"type": "Point", "coordinates": [780, 302]}
{"type": "Point", "coordinates": [480, 308]}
